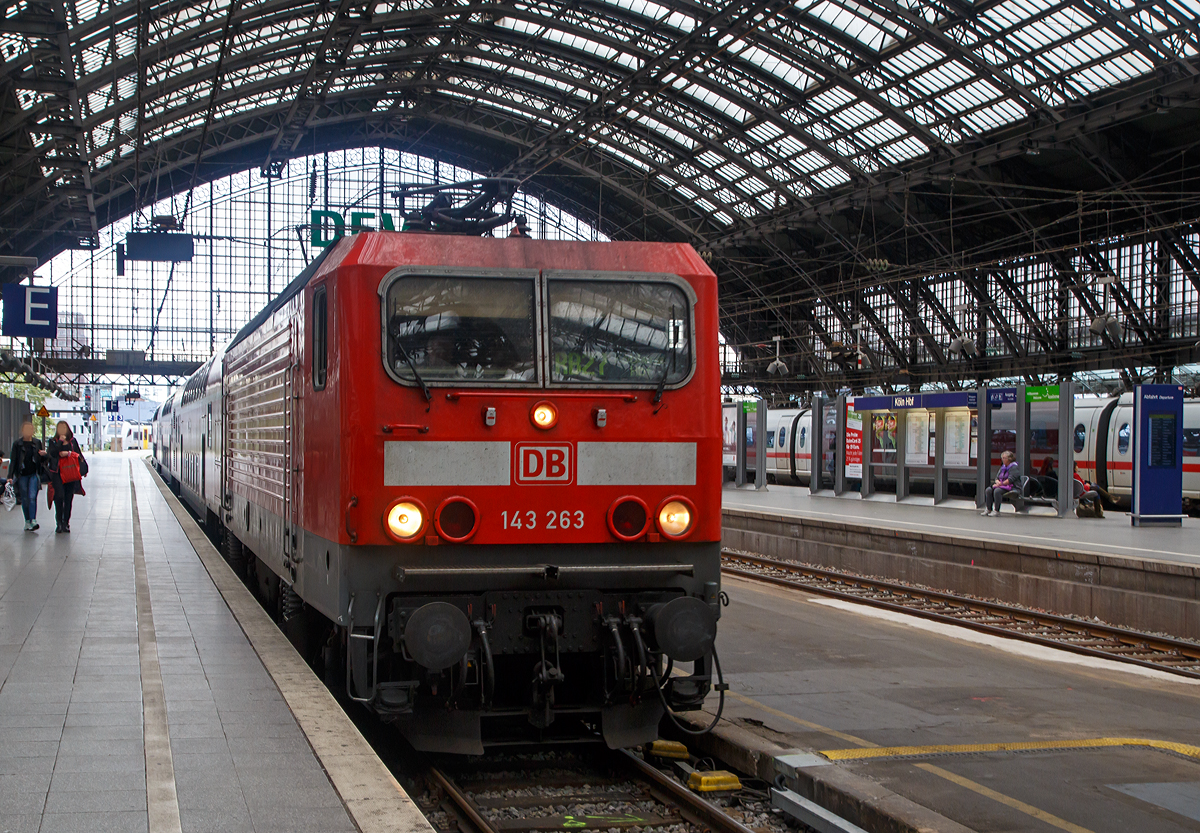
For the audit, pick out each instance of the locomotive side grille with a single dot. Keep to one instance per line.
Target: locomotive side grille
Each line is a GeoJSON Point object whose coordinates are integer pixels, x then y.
{"type": "Point", "coordinates": [256, 421]}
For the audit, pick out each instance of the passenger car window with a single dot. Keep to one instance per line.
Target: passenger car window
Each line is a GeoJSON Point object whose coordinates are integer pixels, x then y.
{"type": "Point", "coordinates": [1080, 438]}
{"type": "Point", "coordinates": [454, 329]}
{"type": "Point", "coordinates": [1191, 442]}
{"type": "Point", "coordinates": [320, 338]}
{"type": "Point", "coordinates": [1123, 439]}
{"type": "Point", "coordinates": [803, 437]}
{"type": "Point", "coordinates": [619, 332]}
{"type": "Point", "coordinates": [782, 437]}
{"type": "Point", "coordinates": [771, 439]}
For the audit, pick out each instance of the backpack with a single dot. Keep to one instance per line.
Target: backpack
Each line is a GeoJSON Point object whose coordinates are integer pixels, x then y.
{"type": "Point", "coordinates": [69, 468]}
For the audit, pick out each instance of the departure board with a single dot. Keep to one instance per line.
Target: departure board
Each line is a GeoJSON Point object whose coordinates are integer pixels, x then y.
{"type": "Point", "coordinates": [1162, 441]}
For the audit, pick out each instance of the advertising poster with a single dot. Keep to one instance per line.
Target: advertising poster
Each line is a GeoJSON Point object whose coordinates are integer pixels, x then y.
{"type": "Point", "coordinates": [916, 449]}
{"type": "Point", "coordinates": [958, 439]}
{"type": "Point", "coordinates": [854, 444]}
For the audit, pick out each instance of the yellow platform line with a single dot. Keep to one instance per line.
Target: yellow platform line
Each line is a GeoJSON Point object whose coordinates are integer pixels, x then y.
{"type": "Point", "coordinates": [1184, 749]}
{"type": "Point", "coordinates": [1006, 800]}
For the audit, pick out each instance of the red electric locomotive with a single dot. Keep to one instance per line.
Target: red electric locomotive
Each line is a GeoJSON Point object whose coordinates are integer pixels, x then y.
{"type": "Point", "coordinates": [492, 466]}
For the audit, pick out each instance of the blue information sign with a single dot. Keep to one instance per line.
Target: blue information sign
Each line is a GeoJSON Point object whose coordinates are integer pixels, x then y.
{"type": "Point", "coordinates": [30, 311]}
{"type": "Point", "coordinates": [1158, 455]}
{"type": "Point", "coordinates": [907, 401]}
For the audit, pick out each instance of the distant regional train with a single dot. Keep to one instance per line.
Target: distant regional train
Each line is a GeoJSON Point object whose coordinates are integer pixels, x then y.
{"type": "Point", "coordinates": [1102, 446]}
{"type": "Point", "coordinates": [477, 479]}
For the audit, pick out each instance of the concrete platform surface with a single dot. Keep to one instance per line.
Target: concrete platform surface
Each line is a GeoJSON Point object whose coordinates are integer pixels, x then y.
{"type": "Point", "coordinates": [992, 733]}
{"type": "Point", "coordinates": [1111, 535]}
{"type": "Point", "coordinates": [130, 698]}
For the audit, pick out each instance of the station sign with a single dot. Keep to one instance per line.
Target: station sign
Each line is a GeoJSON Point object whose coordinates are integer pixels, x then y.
{"type": "Point", "coordinates": [918, 401]}
{"type": "Point", "coordinates": [750, 406]}
{"type": "Point", "coordinates": [1041, 393]}
{"type": "Point", "coordinates": [30, 311]}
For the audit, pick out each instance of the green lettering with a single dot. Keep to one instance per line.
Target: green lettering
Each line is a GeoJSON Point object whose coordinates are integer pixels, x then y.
{"type": "Point", "coordinates": [318, 225]}
{"type": "Point", "coordinates": [356, 218]}
{"type": "Point", "coordinates": [385, 222]}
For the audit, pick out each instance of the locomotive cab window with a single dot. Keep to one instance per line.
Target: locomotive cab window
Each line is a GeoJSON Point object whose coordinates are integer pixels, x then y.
{"type": "Point", "coordinates": [628, 332]}
{"type": "Point", "coordinates": [320, 338]}
{"type": "Point", "coordinates": [442, 328]}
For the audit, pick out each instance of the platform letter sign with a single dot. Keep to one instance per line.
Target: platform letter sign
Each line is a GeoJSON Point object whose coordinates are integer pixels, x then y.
{"type": "Point", "coordinates": [30, 311]}
{"type": "Point", "coordinates": [1158, 456]}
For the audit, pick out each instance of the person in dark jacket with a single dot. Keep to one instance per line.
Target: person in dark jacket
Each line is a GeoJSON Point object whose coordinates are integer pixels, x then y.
{"type": "Point", "coordinates": [26, 460]}
{"type": "Point", "coordinates": [60, 446]}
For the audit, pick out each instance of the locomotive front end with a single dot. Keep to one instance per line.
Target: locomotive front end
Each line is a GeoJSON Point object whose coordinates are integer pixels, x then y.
{"type": "Point", "coordinates": [535, 528]}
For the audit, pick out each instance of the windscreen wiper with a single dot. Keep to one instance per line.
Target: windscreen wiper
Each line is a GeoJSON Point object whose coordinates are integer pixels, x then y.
{"type": "Point", "coordinates": [416, 374]}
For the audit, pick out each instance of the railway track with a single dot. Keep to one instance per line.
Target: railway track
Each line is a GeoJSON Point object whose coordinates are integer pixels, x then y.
{"type": "Point", "coordinates": [613, 792]}
{"type": "Point", "coordinates": [1175, 656]}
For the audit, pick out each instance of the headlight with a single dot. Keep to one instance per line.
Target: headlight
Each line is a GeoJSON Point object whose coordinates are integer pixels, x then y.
{"type": "Point", "coordinates": [544, 415]}
{"type": "Point", "coordinates": [405, 519]}
{"type": "Point", "coordinates": [675, 517]}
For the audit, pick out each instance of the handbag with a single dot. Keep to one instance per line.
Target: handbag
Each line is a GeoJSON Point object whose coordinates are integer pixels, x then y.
{"type": "Point", "coordinates": [68, 468]}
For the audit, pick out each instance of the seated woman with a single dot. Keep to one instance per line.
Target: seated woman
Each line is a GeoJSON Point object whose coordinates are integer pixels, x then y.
{"type": "Point", "coordinates": [1006, 480]}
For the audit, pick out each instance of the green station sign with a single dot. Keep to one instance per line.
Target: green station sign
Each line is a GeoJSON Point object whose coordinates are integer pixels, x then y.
{"type": "Point", "coordinates": [750, 407]}
{"type": "Point", "coordinates": [1041, 393]}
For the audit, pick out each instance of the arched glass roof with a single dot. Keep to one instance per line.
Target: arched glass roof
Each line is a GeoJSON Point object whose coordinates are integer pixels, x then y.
{"type": "Point", "coordinates": [757, 129]}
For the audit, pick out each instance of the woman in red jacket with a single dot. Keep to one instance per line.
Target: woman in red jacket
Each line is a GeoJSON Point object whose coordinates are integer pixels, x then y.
{"type": "Point", "coordinates": [61, 446]}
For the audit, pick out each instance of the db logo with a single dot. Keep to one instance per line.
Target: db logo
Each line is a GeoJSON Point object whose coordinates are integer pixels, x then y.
{"type": "Point", "coordinates": [543, 463]}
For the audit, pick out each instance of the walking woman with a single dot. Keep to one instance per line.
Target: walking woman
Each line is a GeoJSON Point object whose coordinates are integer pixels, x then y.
{"type": "Point", "coordinates": [28, 457]}
{"type": "Point", "coordinates": [65, 472]}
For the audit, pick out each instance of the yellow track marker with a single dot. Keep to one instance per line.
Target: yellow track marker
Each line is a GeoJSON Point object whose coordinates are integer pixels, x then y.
{"type": "Point", "coordinates": [1016, 746]}
{"type": "Point", "coordinates": [1027, 809]}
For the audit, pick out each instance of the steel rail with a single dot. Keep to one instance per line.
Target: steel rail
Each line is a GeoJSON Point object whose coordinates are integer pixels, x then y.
{"type": "Point", "coordinates": [906, 599]}
{"type": "Point", "coordinates": [667, 791]}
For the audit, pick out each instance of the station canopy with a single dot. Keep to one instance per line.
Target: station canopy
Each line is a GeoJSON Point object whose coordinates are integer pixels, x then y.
{"type": "Point", "coordinates": [869, 178]}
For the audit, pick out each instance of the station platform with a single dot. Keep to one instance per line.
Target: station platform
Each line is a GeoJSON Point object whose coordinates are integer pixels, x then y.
{"type": "Point", "coordinates": [132, 698]}
{"type": "Point", "coordinates": [1146, 578]}
{"type": "Point", "coordinates": [1110, 535]}
{"type": "Point", "coordinates": [919, 720]}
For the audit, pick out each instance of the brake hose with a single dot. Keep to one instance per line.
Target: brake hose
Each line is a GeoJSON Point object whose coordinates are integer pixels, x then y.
{"type": "Point", "coordinates": [721, 687]}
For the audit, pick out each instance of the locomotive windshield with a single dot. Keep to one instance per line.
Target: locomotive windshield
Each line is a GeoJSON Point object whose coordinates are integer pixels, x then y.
{"type": "Point", "coordinates": [461, 329]}
{"type": "Point", "coordinates": [618, 332]}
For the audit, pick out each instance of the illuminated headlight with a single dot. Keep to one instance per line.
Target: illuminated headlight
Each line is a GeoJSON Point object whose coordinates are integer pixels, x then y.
{"type": "Point", "coordinates": [675, 517]}
{"type": "Point", "coordinates": [405, 520]}
{"type": "Point", "coordinates": [544, 415]}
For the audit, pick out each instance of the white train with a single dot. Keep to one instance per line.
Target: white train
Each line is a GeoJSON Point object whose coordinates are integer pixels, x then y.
{"type": "Point", "coordinates": [1102, 446]}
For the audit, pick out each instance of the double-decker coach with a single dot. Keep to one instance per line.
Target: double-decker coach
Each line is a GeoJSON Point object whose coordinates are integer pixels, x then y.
{"type": "Point", "coordinates": [483, 474]}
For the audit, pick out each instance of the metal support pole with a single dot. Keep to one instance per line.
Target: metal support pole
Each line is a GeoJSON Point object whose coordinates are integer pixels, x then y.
{"type": "Point", "coordinates": [1022, 430]}
{"type": "Point", "coordinates": [983, 444]}
{"type": "Point", "coordinates": [760, 447]}
{"type": "Point", "coordinates": [868, 440]}
{"type": "Point", "coordinates": [739, 477]}
{"type": "Point", "coordinates": [1066, 448]}
{"type": "Point", "coordinates": [839, 446]}
{"type": "Point", "coordinates": [939, 455]}
{"type": "Point", "coordinates": [816, 442]}
{"type": "Point", "coordinates": [902, 417]}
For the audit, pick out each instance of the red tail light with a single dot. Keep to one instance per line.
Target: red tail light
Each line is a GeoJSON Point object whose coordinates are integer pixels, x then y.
{"type": "Point", "coordinates": [628, 518]}
{"type": "Point", "coordinates": [457, 519]}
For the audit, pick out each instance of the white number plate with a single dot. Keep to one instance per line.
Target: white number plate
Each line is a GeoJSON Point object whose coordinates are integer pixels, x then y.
{"type": "Point", "coordinates": [545, 519]}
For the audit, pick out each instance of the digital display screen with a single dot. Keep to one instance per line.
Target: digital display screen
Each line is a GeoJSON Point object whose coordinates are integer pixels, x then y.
{"type": "Point", "coordinates": [1162, 441]}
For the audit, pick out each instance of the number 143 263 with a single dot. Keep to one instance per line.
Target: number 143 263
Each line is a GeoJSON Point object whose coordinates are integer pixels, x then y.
{"type": "Point", "coordinates": [548, 519]}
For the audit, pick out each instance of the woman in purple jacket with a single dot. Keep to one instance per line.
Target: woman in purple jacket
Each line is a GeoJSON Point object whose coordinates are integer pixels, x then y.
{"type": "Point", "coordinates": [1006, 481]}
